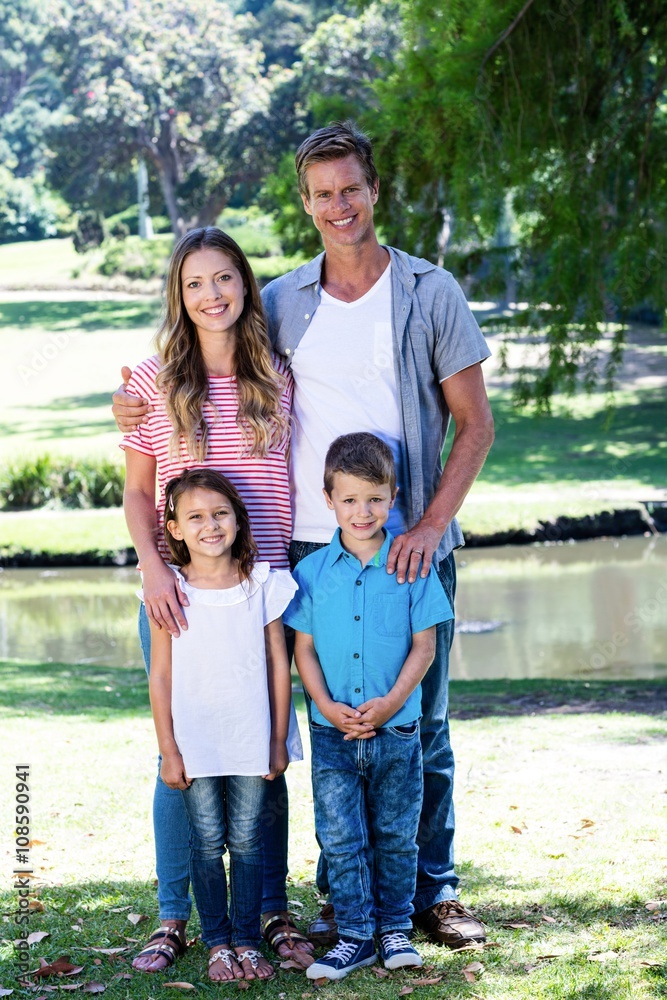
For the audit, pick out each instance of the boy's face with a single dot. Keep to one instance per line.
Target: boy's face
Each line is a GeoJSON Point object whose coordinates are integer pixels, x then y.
{"type": "Point", "coordinates": [361, 508]}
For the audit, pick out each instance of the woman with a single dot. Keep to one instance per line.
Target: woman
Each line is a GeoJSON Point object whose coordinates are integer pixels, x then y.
{"type": "Point", "coordinates": [219, 399]}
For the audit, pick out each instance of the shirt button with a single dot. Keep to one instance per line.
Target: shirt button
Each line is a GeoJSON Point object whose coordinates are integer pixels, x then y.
{"type": "Point", "coordinates": [358, 582]}
{"type": "Point", "coordinates": [357, 618]}
{"type": "Point", "coordinates": [357, 690]}
{"type": "Point", "coordinates": [307, 316]}
{"type": "Point", "coordinates": [356, 656]}
{"type": "Point", "coordinates": [287, 350]}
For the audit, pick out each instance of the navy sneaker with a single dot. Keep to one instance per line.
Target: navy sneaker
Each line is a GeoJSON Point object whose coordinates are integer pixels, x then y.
{"type": "Point", "coordinates": [345, 957]}
{"type": "Point", "coordinates": [397, 952]}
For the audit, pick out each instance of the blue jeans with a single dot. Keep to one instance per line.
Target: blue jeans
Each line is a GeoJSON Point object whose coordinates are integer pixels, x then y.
{"type": "Point", "coordinates": [368, 796]}
{"type": "Point", "coordinates": [171, 829]}
{"type": "Point", "coordinates": [436, 878]}
{"type": "Point", "coordinates": [225, 813]}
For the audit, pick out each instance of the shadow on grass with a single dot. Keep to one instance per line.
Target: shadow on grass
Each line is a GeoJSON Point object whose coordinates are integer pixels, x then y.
{"type": "Point", "coordinates": [622, 444]}
{"type": "Point", "coordinates": [87, 315]}
{"type": "Point", "coordinates": [480, 699]}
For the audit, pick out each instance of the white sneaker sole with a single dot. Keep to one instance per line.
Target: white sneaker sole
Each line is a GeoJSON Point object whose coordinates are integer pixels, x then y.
{"type": "Point", "coordinates": [403, 961]}
{"type": "Point", "coordinates": [316, 971]}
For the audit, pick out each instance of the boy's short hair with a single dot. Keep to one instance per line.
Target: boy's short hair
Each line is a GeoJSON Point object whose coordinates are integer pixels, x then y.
{"type": "Point", "coordinates": [362, 455]}
{"type": "Point", "coordinates": [334, 142]}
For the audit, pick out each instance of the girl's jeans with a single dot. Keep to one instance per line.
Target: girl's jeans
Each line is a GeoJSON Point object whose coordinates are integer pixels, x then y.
{"type": "Point", "coordinates": [225, 812]}
{"type": "Point", "coordinates": [368, 798]}
{"type": "Point", "coordinates": [172, 834]}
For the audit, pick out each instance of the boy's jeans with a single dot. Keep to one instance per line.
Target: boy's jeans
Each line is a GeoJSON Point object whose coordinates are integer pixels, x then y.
{"type": "Point", "coordinates": [225, 812]}
{"type": "Point", "coordinates": [368, 797]}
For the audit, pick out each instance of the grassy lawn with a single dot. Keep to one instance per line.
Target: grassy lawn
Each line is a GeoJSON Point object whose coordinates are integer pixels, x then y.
{"type": "Point", "coordinates": [561, 813]}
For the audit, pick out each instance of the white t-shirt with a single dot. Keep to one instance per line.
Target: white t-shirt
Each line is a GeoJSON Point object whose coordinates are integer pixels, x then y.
{"type": "Point", "coordinates": [344, 381]}
{"type": "Point", "coordinates": [219, 692]}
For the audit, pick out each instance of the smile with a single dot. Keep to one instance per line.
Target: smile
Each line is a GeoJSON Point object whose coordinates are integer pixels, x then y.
{"type": "Point", "coordinates": [343, 223]}
{"type": "Point", "coordinates": [215, 310]}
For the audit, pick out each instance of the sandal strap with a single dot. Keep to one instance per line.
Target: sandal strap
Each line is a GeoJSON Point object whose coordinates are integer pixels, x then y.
{"type": "Point", "coordinates": [158, 944]}
{"type": "Point", "coordinates": [251, 954]}
{"type": "Point", "coordinates": [224, 955]}
{"type": "Point", "coordinates": [274, 932]}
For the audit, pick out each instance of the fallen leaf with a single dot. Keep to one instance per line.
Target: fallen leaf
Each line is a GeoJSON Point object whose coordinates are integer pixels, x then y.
{"type": "Point", "coordinates": [5, 992]}
{"type": "Point", "coordinates": [405, 990]}
{"type": "Point", "coordinates": [516, 829]}
{"type": "Point", "coordinates": [304, 995]}
{"type": "Point", "coordinates": [514, 807]}
{"type": "Point", "coordinates": [71, 986]}
{"type": "Point", "coordinates": [379, 972]}
{"type": "Point", "coordinates": [553, 954]}
{"type": "Point", "coordinates": [474, 967]}
{"type": "Point", "coordinates": [94, 988]}
{"type": "Point", "coordinates": [603, 956]}
{"type": "Point", "coordinates": [35, 906]}
{"type": "Point", "coordinates": [117, 909]}
{"type": "Point", "coordinates": [469, 977]}
{"type": "Point", "coordinates": [322, 981]}
{"type": "Point", "coordinates": [295, 902]}
{"type": "Point", "coordinates": [137, 918]}
{"type": "Point", "coordinates": [34, 843]}
{"type": "Point", "coordinates": [548, 920]}
{"type": "Point", "coordinates": [490, 944]}
{"type": "Point", "coordinates": [122, 975]}
{"type": "Point", "coordinates": [37, 936]}
{"type": "Point", "coordinates": [432, 981]}
{"type": "Point", "coordinates": [586, 823]}
{"type": "Point", "coordinates": [289, 964]}
{"type": "Point", "coordinates": [519, 925]}
{"type": "Point", "coordinates": [179, 986]}
{"type": "Point", "coordinates": [61, 967]}
{"type": "Point", "coordinates": [242, 984]}
{"type": "Point", "coordinates": [654, 904]}
{"type": "Point", "coordinates": [650, 964]}
{"type": "Point", "coordinates": [136, 940]}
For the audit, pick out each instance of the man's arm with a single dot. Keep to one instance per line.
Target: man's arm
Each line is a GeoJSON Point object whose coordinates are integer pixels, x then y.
{"type": "Point", "coordinates": [468, 404]}
{"type": "Point", "coordinates": [377, 711]}
{"type": "Point", "coordinates": [128, 411]}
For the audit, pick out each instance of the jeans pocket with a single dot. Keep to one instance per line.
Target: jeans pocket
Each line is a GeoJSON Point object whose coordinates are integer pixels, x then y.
{"type": "Point", "coordinates": [406, 732]}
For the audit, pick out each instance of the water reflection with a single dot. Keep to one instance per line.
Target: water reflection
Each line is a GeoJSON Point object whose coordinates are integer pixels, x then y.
{"type": "Point", "coordinates": [594, 609]}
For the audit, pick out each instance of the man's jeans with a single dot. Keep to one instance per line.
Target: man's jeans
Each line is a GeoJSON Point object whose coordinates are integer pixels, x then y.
{"type": "Point", "coordinates": [436, 878]}
{"type": "Point", "coordinates": [171, 829]}
{"type": "Point", "coordinates": [368, 796]}
{"type": "Point", "coordinates": [225, 812]}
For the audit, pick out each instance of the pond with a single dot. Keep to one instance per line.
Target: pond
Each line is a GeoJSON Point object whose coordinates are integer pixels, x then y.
{"type": "Point", "coordinates": [590, 609]}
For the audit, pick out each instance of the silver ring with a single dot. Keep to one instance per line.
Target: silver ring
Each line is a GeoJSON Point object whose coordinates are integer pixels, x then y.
{"type": "Point", "coordinates": [420, 552]}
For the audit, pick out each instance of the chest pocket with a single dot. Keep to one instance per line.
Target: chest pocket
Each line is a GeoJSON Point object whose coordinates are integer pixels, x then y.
{"type": "Point", "coordinates": [391, 613]}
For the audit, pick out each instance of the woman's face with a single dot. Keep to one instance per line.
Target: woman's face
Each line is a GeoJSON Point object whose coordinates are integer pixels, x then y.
{"type": "Point", "coordinates": [213, 291]}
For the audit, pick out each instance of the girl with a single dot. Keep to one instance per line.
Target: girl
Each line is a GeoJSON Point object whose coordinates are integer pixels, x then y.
{"type": "Point", "coordinates": [221, 696]}
{"type": "Point", "coordinates": [219, 399]}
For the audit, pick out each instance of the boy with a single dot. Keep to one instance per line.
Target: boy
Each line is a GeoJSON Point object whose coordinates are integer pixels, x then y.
{"type": "Point", "coordinates": [363, 644]}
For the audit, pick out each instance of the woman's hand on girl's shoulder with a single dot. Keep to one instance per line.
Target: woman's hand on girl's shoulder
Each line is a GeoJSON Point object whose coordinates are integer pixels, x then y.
{"type": "Point", "coordinates": [172, 772]}
{"type": "Point", "coordinates": [164, 598]}
{"type": "Point", "coordinates": [278, 760]}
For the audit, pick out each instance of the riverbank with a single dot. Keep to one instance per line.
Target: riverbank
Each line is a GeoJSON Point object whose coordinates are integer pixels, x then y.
{"type": "Point", "coordinates": [560, 815]}
{"type": "Point", "coordinates": [50, 538]}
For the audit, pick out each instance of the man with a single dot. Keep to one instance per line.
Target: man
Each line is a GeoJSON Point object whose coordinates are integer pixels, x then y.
{"type": "Point", "coordinates": [384, 342]}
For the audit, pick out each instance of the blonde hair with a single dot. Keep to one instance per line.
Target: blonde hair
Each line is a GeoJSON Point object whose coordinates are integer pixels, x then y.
{"type": "Point", "coordinates": [183, 378]}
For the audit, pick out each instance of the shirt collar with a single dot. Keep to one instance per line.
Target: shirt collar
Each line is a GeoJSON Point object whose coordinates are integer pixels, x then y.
{"type": "Point", "coordinates": [336, 550]}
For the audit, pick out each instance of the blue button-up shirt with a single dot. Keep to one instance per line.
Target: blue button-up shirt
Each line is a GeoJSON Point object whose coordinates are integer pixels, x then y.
{"type": "Point", "coordinates": [362, 621]}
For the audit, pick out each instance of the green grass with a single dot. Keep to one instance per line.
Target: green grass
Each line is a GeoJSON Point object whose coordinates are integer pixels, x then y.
{"type": "Point", "coordinates": [37, 264]}
{"type": "Point", "coordinates": [572, 766]}
{"type": "Point", "coordinates": [58, 532]}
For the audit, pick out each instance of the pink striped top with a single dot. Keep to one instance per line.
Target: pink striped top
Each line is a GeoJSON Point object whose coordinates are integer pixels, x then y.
{"type": "Point", "coordinates": [262, 482]}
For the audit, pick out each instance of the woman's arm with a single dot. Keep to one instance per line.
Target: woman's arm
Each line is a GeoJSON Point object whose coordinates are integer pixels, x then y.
{"type": "Point", "coordinates": [172, 769]}
{"type": "Point", "coordinates": [162, 595]}
{"type": "Point", "coordinates": [280, 695]}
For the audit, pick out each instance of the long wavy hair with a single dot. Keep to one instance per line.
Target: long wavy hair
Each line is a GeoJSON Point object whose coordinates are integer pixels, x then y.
{"type": "Point", "coordinates": [183, 378]}
{"type": "Point", "coordinates": [244, 548]}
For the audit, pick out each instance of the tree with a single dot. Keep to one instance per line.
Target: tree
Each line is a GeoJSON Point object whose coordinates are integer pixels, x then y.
{"type": "Point", "coordinates": [175, 81]}
{"type": "Point", "coordinates": [559, 110]}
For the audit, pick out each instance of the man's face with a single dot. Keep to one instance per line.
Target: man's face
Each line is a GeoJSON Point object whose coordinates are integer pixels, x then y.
{"type": "Point", "coordinates": [340, 201]}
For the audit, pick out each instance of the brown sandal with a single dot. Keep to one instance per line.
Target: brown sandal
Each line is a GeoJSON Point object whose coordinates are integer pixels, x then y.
{"type": "Point", "coordinates": [167, 941]}
{"type": "Point", "coordinates": [281, 929]}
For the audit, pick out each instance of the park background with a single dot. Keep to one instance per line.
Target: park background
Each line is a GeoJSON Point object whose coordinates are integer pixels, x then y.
{"type": "Point", "coordinates": [521, 145]}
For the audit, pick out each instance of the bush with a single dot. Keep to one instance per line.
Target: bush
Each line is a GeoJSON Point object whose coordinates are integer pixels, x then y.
{"type": "Point", "coordinates": [136, 258]}
{"type": "Point", "coordinates": [67, 482]}
{"type": "Point", "coordinates": [28, 211]}
{"type": "Point", "coordinates": [89, 231]}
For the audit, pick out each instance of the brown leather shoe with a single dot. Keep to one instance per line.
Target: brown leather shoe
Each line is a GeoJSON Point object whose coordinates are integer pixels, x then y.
{"type": "Point", "coordinates": [449, 923]}
{"type": "Point", "coordinates": [323, 931]}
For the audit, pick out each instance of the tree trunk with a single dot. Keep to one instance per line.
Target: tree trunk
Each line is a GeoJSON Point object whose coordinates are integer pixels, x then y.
{"type": "Point", "coordinates": [164, 154]}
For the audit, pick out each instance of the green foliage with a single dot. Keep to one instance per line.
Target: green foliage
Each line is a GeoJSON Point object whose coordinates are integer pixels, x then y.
{"type": "Point", "coordinates": [89, 231]}
{"type": "Point", "coordinates": [136, 258]}
{"type": "Point", "coordinates": [69, 482]}
{"type": "Point", "coordinates": [561, 110]}
{"type": "Point", "coordinates": [29, 210]}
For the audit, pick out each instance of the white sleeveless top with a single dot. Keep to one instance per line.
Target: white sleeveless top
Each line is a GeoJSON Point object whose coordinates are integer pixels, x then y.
{"type": "Point", "coordinates": [219, 691]}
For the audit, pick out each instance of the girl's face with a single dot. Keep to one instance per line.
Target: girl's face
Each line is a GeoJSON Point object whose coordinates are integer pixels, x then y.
{"type": "Point", "coordinates": [213, 291]}
{"type": "Point", "coordinates": [205, 521]}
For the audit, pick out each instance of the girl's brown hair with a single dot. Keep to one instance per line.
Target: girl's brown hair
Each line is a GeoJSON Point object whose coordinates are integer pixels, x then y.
{"type": "Point", "coordinates": [183, 378]}
{"type": "Point", "coordinates": [244, 548]}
